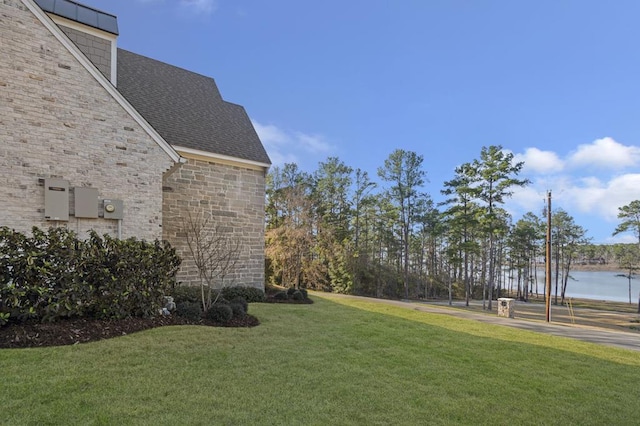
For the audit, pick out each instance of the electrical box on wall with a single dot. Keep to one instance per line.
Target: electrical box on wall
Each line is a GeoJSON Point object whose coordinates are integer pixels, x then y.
{"type": "Point", "coordinates": [86, 202]}
{"type": "Point", "coordinates": [113, 209]}
{"type": "Point", "coordinates": [56, 199]}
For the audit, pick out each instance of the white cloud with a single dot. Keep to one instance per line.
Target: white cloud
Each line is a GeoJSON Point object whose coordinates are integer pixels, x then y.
{"type": "Point", "coordinates": [593, 201]}
{"type": "Point", "coordinates": [597, 202]}
{"type": "Point", "coordinates": [313, 143]}
{"type": "Point", "coordinates": [285, 146]}
{"type": "Point", "coordinates": [605, 153]}
{"type": "Point", "coordinates": [538, 161]}
{"type": "Point", "coordinates": [529, 199]}
{"type": "Point", "coordinates": [200, 6]}
{"type": "Point", "coordinates": [279, 158]}
{"type": "Point", "coordinates": [618, 192]}
{"type": "Point", "coordinates": [590, 184]}
{"type": "Point", "coordinates": [270, 134]}
{"type": "Point", "coordinates": [584, 195]}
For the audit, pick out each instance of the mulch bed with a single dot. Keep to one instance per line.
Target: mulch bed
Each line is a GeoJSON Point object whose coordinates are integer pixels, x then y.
{"type": "Point", "coordinates": [82, 330]}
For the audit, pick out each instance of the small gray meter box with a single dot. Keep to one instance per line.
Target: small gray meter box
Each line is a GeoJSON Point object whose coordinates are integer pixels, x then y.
{"type": "Point", "coordinates": [113, 209]}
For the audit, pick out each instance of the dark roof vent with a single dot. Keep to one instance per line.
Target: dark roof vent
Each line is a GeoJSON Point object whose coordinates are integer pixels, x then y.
{"type": "Point", "coordinates": [80, 13]}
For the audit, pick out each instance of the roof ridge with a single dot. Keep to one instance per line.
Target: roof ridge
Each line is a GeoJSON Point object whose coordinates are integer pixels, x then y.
{"type": "Point", "coordinates": [167, 64]}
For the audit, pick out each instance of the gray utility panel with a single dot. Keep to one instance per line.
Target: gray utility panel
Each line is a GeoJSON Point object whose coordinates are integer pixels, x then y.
{"type": "Point", "coordinates": [86, 202]}
{"type": "Point", "coordinates": [56, 199]}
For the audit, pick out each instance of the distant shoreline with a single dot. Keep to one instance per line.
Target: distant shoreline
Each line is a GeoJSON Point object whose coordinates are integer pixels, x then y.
{"type": "Point", "coordinates": [609, 267]}
{"type": "Point", "coordinates": [597, 268]}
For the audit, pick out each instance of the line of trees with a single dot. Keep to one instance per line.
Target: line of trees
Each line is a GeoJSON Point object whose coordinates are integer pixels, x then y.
{"type": "Point", "coordinates": [628, 257]}
{"type": "Point", "coordinates": [337, 230]}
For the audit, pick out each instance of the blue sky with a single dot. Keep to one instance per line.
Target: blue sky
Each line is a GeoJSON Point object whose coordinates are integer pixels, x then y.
{"type": "Point", "coordinates": [556, 82]}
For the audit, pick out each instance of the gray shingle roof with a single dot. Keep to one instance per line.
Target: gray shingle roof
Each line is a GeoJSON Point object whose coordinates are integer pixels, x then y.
{"type": "Point", "coordinates": [187, 109]}
{"type": "Point", "coordinates": [80, 13]}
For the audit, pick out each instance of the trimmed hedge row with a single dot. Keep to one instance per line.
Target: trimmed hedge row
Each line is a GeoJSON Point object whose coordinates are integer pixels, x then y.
{"type": "Point", "coordinates": [250, 294]}
{"type": "Point", "coordinates": [233, 302]}
{"type": "Point", "coordinates": [194, 294]}
{"type": "Point", "coordinates": [52, 275]}
{"type": "Point", "coordinates": [291, 293]}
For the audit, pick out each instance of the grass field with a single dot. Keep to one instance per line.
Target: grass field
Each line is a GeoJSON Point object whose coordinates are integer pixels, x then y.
{"type": "Point", "coordinates": [334, 362]}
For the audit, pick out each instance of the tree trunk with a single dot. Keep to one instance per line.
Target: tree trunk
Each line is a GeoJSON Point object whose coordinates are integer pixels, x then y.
{"type": "Point", "coordinates": [467, 283]}
{"type": "Point", "coordinates": [491, 270]}
{"type": "Point", "coordinates": [535, 273]}
{"type": "Point", "coordinates": [555, 302]}
{"type": "Point", "coordinates": [565, 280]}
{"type": "Point", "coordinates": [450, 292]}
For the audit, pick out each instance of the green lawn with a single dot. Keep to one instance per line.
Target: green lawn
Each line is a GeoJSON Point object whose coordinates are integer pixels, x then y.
{"type": "Point", "coordinates": [335, 362]}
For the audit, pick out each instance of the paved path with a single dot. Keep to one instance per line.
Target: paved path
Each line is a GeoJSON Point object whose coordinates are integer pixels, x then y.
{"type": "Point", "coordinates": [605, 336]}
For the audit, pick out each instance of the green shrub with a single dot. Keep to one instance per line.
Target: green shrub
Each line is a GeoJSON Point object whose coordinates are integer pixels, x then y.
{"type": "Point", "coordinates": [250, 294]}
{"type": "Point", "coordinates": [4, 318]}
{"type": "Point", "coordinates": [238, 309]}
{"type": "Point", "coordinates": [52, 275]}
{"type": "Point", "coordinates": [281, 295]}
{"type": "Point", "coordinates": [305, 293]}
{"type": "Point", "coordinates": [38, 275]}
{"type": "Point", "coordinates": [189, 310]}
{"type": "Point", "coordinates": [185, 293]}
{"type": "Point", "coordinates": [241, 301]}
{"type": "Point", "coordinates": [134, 275]}
{"type": "Point", "coordinates": [221, 300]}
{"type": "Point", "coordinates": [297, 295]}
{"type": "Point", "coordinates": [291, 290]}
{"type": "Point", "coordinates": [220, 313]}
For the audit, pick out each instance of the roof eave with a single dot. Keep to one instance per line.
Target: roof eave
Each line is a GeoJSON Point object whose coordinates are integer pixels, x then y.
{"type": "Point", "coordinates": [224, 158]}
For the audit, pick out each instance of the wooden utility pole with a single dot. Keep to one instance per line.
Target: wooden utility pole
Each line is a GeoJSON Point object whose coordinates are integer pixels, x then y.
{"type": "Point", "coordinates": [547, 262]}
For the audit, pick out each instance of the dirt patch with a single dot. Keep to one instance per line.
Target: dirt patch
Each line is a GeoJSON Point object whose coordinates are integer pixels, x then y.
{"type": "Point", "coordinates": [82, 330]}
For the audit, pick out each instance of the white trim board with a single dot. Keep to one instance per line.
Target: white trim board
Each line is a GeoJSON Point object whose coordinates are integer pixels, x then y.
{"type": "Point", "coordinates": [225, 159]}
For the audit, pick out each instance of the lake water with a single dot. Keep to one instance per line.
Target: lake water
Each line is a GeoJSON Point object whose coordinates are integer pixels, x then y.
{"type": "Point", "coordinates": [598, 285]}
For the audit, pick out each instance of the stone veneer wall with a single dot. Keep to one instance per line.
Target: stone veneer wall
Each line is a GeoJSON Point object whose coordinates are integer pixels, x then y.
{"type": "Point", "coordinates": [56, 120]}
{"type": "Point", "coordinates": [95, 48]}
{"type": "Point", "coordinates": [234, 196]}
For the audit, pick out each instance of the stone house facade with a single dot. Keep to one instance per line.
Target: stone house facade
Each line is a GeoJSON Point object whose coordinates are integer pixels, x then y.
{"type": "Point", "coordinates": [120, 143]}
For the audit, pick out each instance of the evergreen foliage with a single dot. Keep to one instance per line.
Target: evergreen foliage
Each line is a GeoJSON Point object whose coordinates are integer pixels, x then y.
{"type": "Point", "coordinates": [336, 230]}
{"type": "Point", "coordinates": [190, 310]}
{"type": "Point", "coordinates": [220, 312]}
{"type": "Point", "coordinates": [52, 274]}
{"type": "Point", "coordinates": [249, 294]}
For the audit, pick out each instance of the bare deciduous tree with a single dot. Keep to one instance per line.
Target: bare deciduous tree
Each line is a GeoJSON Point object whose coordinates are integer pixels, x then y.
{"type": "Point", "coordinates": [215, 252]}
